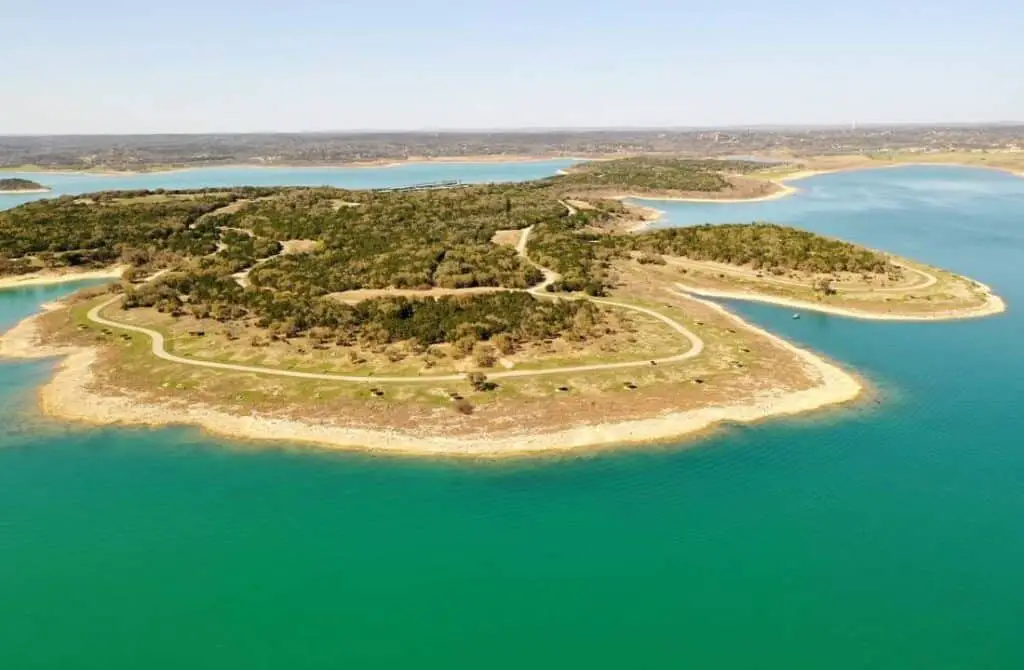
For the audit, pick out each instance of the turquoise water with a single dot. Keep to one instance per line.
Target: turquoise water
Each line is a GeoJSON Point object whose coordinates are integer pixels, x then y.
{"type": "Point", "coordinates": [883, 536]}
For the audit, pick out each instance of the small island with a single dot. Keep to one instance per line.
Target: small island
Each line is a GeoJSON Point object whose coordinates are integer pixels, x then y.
{"type": "Point", "coordinates": [483, 320]}
{"type": "Point", "coordinates": [19, 186]}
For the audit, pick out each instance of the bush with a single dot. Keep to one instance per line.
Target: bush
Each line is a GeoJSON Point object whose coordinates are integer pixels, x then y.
{"type": "Point", "coordinates": [478, 381]}
{"type": "Point", "coordinates": [650, 259]}
{"type": "Point", "coordinates": [486, 356]}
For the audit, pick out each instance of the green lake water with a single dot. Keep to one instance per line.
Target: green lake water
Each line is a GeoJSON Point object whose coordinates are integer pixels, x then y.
{"type": "Point", "coordinates": [885, 535]}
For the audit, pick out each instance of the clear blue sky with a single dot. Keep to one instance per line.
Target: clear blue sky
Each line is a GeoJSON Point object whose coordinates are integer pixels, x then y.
{"type": "Point", "coordinates": [233, 65]}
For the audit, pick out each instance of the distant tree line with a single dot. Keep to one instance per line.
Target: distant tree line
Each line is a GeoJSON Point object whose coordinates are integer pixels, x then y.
{"type": "Point", "coordinates": [142, 151]}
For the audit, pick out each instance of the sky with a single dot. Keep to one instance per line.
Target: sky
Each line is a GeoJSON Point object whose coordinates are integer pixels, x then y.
{"type": "Point", "coordinates": [242, 66]}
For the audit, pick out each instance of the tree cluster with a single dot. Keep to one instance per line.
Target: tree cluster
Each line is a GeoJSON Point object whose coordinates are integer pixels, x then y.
{"type": "Point", "coordinates": [16, 184]}
{"type": "Point", "coordinates": [584, 258]}
{"type": "Point", "coordinates": [505, 316]}
{"type": "Point", "coordinates": [651, 174]}
{"type": "Point", "coordinates": [761, 246]}
{"type": "Point", "coordinates": [581, 255]}
{"type": "Point", "coordinates": [412, 240]}
{"type": "Point", "coordinates": [143, 229]}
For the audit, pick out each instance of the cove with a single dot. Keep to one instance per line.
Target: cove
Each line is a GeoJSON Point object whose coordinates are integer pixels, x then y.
{"type": "Point", "coordinates": [883, 535]}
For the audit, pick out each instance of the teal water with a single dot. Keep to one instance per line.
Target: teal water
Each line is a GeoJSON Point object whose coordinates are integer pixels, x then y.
{"type": "Point", "coordinates": [883, 536]}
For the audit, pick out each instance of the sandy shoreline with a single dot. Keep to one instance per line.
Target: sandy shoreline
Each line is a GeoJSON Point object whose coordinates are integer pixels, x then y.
{"type": "Point", "coordinates": [48, 278]}
{"type": "Point", "coordinates": [28, 191]}
{"type": "Point", "coordinates": [784, 191]}
{"type": "Point", "coordinates": [68, 396]}
{"type": "Point", "coordinates": [993, 305]}
{"type": "Point", "coordinates": [648, 217]}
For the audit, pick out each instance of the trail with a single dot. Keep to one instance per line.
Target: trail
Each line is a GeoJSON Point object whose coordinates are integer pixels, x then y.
{"type": "Point", "coordinates": [927, 279]}
{"type": "Point", "coordinates": [550, 276]}
{"type": "Point", "coordinates": [242, 277]}
{"type": "Point", "coordinates": [696, 347]}
{"type": "Point", "coordinates": [993, 305]}
{"type": "Point", "coordinates": [160, 351]}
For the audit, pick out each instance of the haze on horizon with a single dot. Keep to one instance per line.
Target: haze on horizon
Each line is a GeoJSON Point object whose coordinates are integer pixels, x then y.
{"type": "Point", "coordinates": [230, 66]}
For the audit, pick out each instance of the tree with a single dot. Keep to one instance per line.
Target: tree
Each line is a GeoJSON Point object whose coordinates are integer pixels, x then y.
{"type": "Point", "coordinates": [478, 381]}
{"type": "Point", "coordinates": [485, 356]}
{"type": "Point", "coordinates": [823, 285]}
{"type": "Point", "coordinates": [505, 343]}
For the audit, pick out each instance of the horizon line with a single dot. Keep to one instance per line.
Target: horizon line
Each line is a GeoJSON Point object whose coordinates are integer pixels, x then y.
{"type": "Point", "coordinates": [524, 130]}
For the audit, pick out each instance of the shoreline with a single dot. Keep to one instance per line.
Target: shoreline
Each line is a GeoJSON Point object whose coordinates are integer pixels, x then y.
{"type": "Point", "coordinates": [382, 163]}
{"type": "Point", "coordinates": [803, 174]}
{"type": "Point", "coordinates": [27, 191]}
{"type": "Point", "coordinates": [49, 278]}
{"type": "Point", "coordinates": [359, 165]}
{"type": "Point", "coordinates": [993, 305]}
{"type": "Point", "coordinates": [653, 214]}
{"type": "Point", "coordinates": [787, 190]}
{"type": "Point", "coordinates": [67, 396]}
{"type": "Point", "coordinates": [783, 192]}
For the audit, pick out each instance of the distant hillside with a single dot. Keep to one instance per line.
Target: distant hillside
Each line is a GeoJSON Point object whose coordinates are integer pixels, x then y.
{"type": "Point", "coordinates": [20, 185]}
{"type": "Point", "coordinates": [154, 152]}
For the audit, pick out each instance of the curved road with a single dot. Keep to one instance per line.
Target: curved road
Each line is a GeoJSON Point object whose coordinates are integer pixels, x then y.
{"type": "Point", "coordinates": [160, 350]}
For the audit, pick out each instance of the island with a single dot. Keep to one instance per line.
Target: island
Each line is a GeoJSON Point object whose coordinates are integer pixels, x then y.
{"type": "Point", "coordinates": [19, 186]}
{"type": "Point", "coordinates": [479, 320]}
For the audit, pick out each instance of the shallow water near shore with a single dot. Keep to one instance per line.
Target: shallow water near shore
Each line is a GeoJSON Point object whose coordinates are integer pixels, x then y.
{"type": "Point", "coordinates": [885, 535]}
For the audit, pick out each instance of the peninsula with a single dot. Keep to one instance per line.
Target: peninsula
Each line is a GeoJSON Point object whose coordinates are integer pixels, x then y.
{"type": "Point", "coordinates": [486, 320]}
{"type": "Point", "coordinates": [19, 186]}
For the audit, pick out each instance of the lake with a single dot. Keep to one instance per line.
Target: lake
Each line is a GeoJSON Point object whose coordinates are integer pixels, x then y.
{"type": "Point", "coordinates": [884, 535]}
